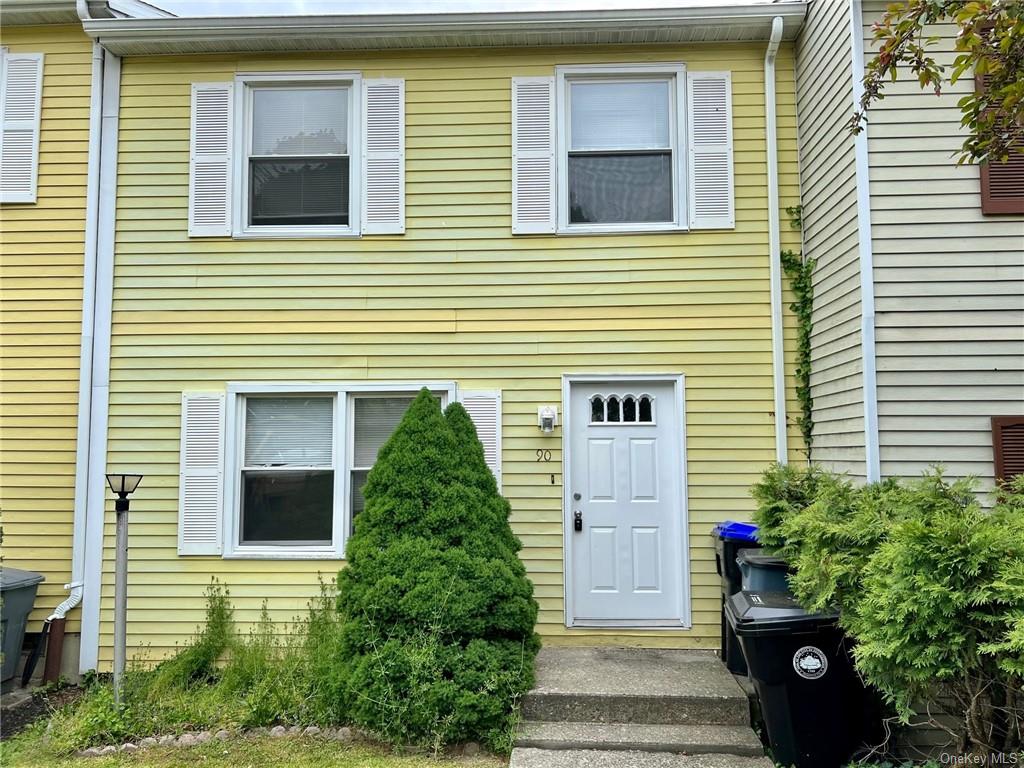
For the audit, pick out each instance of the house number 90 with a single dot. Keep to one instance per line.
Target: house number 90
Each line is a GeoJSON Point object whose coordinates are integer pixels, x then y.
{"type": "Point", "coordinates": [543, 455]}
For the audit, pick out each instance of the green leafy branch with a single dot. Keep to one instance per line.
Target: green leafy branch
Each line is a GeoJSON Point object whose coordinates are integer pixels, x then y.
{"type": "Point", "coordinates": [799, 273]}
{"type": "Point", "coordinates": [989, 45]}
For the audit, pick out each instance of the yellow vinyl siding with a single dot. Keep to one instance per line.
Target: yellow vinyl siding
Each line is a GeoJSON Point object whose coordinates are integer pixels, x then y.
{"type": "Point", "coordinates": [455, 298]}
{"type": "Point", "coordinates": [41, 252]}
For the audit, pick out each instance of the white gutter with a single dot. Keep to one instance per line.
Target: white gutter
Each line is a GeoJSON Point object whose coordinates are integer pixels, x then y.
{"type": "Point", "coordinates": [872, 460]}
{"type": "Point", "coordinates": [93, 475]}
{"type": "Point", "coordinates": [710, 23]}
{"type": "Point", "coordinates": [77, 585]}
{"type": "Point", "coordinates": [775, 245]}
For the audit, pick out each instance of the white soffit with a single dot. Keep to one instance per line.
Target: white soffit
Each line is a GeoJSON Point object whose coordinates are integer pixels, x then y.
{"type": "Point", "coordinates": [683, 24]}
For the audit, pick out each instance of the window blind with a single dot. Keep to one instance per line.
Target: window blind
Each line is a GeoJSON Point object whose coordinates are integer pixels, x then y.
{"type": "Point", "coordinates": [376, 418]}
{"type": "Point", "coordinates": [623, 115]}
{"type": "Point", "coordinates": [300, 121]}
{"type": "Point", "coordinates": [289, 431]}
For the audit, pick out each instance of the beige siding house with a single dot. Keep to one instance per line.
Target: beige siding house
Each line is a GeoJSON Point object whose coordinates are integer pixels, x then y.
{"type": "Point", "coordinates": [919, 320]}
{"type": "Point", "coordinates": [828, 183]}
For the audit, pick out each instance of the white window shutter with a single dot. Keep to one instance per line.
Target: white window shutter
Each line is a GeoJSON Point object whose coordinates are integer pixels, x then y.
{"type": "Point", "coordinates": [21, 92]}
{"type": "Point", "coordinates": [201, 479]}
{"type": "Point", "coordinates": [384, 157]}
{"type": "Point", "coordinates": [484, 408]}
{"type": "Point", "coordinates": [533, 155]}
{"type": "Point", "coordinates": [709, 115]}
{"type": "Point", "coordinates": [209, 176]}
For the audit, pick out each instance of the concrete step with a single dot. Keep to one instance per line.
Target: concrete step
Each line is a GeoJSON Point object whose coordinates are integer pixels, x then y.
{"type": "Point", "coordinates": [692, 739]}
{"type": "Point", "coordinates": [526, 757]}
{"type": "Point", "coordinates": [649, 710]}
{"type": "Point", "coordinates": [631, 685]}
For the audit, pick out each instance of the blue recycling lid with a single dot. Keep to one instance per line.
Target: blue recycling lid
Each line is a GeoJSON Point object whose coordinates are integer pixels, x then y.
{"type": "Point", "coordinates": [729, 529]}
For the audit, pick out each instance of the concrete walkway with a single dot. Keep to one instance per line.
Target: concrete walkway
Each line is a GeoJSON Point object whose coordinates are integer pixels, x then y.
{"type": "Point", "coordinates": [626, 708]}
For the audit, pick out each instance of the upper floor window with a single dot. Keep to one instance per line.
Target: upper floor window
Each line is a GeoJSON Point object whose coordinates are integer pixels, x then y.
{"type": "Point", "coordinates": [621, 150]}
{"type": "Point", "coordinates": [297, 175]}
{"type": "Point", "coordinates": [300, 154]}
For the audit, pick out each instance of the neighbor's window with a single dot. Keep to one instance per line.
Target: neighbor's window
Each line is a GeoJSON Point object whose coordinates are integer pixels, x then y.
{"type": "Point", "coordinates": [287, 488]}
{"type": "Point", "coordinates": [298, 163]}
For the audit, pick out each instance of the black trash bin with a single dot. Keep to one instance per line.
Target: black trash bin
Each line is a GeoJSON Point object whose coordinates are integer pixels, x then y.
{"type": "Point", "coordinates": [731, 538]}
{"type": "Point", "coordinates": [816, 711]}
{"type": "Point", "coordinates": [18, 593]}
{"type": "Point", "coordinates": [762, 573]}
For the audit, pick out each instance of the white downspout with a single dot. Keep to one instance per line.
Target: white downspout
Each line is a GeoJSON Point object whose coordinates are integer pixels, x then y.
{"type": "Point", "coordinates": [872, 459]}
{"type": "Point", "coordinates": [77, 585]}
{"type": "Point", "coordinates": [775, 245]}
{"type": "Point", "coordinates": [97, 483]}
{"type": "Point", "coordinates": [90, 478]}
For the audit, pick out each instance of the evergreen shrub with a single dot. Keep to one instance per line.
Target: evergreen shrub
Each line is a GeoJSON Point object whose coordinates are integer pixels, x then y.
{"type": "Point", "coordinates": [437, 614]}
{"type": "Point", "coordinates": [928, 583]}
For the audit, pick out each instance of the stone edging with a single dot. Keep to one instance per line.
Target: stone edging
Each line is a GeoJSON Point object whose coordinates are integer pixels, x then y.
{"type": "Point", "coordinates": [343, 734]}
{"type": "Point", "coordinates": [191, 738]}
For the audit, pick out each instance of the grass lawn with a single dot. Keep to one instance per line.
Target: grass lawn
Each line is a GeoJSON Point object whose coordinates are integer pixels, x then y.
{"type": "Point", "coordinates": [27, 751]}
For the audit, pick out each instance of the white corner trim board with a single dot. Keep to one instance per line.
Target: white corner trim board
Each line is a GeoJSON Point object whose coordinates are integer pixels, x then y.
{"type": "Point", "coordinates": [774, 245]}
{"type": "Point", "coordinates": [872, 460]}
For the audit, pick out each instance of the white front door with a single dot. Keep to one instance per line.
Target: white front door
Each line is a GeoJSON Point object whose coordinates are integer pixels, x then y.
{"type": "Point", "coordinates": [626, 522]}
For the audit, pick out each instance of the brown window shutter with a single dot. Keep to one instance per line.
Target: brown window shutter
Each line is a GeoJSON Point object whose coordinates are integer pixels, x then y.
{"type": "Point", "coordinates": [1002, 184]}
{"type": "Point", "coordinates": [1008, 446]}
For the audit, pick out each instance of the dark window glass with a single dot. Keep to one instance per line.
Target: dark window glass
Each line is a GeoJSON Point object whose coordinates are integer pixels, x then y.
{"type": "Point", "coordinates": [645, 409]}
{"type": "Point", "coordinates": [628, 409]}
{"type": "Point", "coordinates": [613, 409]}
{"type": "Point", "coordinates": [356, 487]}
{"type": "Point", "coordinates": [597, 409]}
{"type": "Point", "coordinates": [299, 191]}
{"type": "Point", "coordinates": [611, 188]}
{"type": "Point", "coordinates": [291, 507]}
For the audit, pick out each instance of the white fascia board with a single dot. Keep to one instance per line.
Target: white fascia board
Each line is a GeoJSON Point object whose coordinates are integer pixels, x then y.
{"type": "Point", "coordinates": [211, 34]}
{"type": "Point", "coordinates": [17, 13]}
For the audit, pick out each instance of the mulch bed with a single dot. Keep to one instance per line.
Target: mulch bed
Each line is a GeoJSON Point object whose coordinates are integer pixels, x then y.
{"type": "Point", "coordinates": [18, 718]}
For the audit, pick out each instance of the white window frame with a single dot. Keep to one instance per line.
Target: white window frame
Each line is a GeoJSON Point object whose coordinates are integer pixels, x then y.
{"type": "Point", "coordinates": [343, 393]}
{"type": "Point", "coordinates": [675, 72]}
{"type": "Point", "coordinates": [245, 83]}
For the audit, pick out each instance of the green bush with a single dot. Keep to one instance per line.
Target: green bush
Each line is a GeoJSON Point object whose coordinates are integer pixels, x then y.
{"type": "Point", "coordinates": [197, 662]}
{"type": "Point", "coordinates": [218, 680]}
{"type": "Point", "coordinates": [437, 614]}
{"type": "Point", "coordinates": [831, 540]}
{"type": "Point", "coordinates": [941, 610]}
{"type": "Point", "coordinates": [928, 583]}
{"type": "Point", "coordinates": [783, 490]}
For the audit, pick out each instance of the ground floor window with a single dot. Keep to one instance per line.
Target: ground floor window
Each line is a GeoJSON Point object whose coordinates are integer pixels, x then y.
{"type": "Point", "coordinates": [301, 461]}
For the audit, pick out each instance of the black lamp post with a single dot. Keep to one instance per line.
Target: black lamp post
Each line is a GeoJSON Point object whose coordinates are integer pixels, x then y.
{"type": "Point", "coordinates": [123, 486]}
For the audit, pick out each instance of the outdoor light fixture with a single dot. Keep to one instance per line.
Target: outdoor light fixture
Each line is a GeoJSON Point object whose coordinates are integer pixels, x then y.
{"type": "Point", "coordinates": [547, 418]}
{"type": "Point", "coordinates": [122, 485]}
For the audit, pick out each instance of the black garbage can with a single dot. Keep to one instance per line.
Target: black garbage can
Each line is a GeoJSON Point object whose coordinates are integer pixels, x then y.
{"type": "Point", "coordinates": [731, 538]}
{"type": "Point", "coordinates": [762, 573]}
{"type": "Point", "coordinates": [18, 592]}
{"type": "Point", "coordinates": [816, 711]}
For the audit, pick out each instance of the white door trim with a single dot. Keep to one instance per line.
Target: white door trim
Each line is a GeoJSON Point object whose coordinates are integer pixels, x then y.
{"type": "Point", "coordinates": [685, 598]}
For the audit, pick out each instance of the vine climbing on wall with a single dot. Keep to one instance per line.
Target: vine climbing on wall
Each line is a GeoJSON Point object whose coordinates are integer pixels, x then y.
{"type": "Point", "coordinates": [799, 272]}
